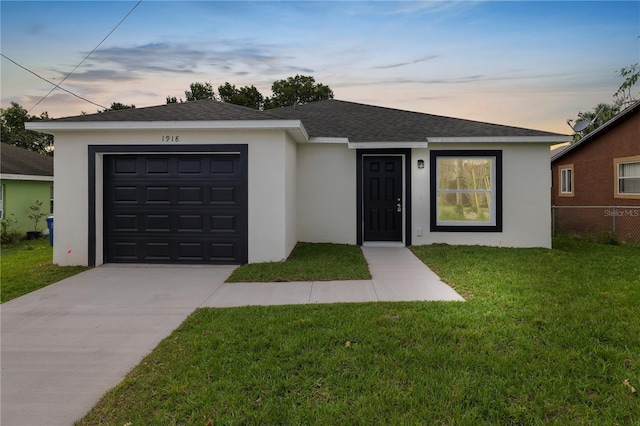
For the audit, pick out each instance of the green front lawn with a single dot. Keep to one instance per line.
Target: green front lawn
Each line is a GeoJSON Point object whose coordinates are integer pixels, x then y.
{"type": "Point", "coordinates": [27, 266]}
{"type": "Point", "coordinates": [309, 262]}
{"type": "Point", "coordinates": [545, 337]}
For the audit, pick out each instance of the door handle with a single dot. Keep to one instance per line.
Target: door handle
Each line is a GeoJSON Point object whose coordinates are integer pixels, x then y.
{"type": "Point", "coordinates": [399, 206]}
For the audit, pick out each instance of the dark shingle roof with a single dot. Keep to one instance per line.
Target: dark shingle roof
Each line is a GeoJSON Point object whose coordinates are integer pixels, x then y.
{"type": "Point", "coordinates": [368, 123]}
{"type": "Point", "coordinates": [331, 118]}
{"type": "Point", "coordinates": [203, 110]}
{"type": "Point", "coordinates": [20, 161]}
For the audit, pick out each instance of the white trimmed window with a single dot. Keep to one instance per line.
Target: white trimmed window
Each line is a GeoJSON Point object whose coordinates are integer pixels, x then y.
{"type": "Point", "coordinates": [566, 180]}
{"type": "Point", "coordinates": [466, 191]}
{"type": "Point", "coordinates": [627, 177]}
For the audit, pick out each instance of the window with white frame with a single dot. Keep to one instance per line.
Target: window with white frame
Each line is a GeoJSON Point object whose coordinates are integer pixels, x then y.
{"type": "Point", "coordinates": [627, 171]}
{"type": "Point", "coordinates": [566, 180]}
{"type": "Point", "coordinates": [466, 191]}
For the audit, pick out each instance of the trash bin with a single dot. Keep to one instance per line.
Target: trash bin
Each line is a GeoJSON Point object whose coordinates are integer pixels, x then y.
{"type": "Point", "coordinates": [50, 226]}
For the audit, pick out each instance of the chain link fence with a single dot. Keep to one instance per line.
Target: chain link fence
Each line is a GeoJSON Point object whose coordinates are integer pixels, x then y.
{"type": "Point", "coordinates": [621, 223]}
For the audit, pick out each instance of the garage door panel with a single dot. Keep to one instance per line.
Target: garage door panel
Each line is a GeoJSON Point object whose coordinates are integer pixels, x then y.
{"type": "Point", "coordinates": [124, 250]}
{"type": "Point", "coordinates": [175, 209]}
{"type": "Point", "coordinates": [125, 222]}
{"type": "Point", "coordinates": [157, 251]}
{"type": "Point", "coordinates": [224, 195]}
{"type": "Point", "coordinates": [157, 166]}
{"type": "Point", "coordinates": [224, 166]}
{"type": "Point", "coordinates": [157, 195]}
{"type": "Point", "coordinates": [157, 223]}
{"type": "Point", "coordinates": [189, 166]}
{"type": "Point", "coordinates": [223, 252]}
{"type": "Point", "coordinates": [125, 166]}
{"type": "Point", "coordinates": [125, 194]}
{"type": "Point", "coordinates": [192, 251]}
{"type": "Point", "coordinates": [131, 223]}
{"type": "Point", "coordinates": [224, 223]}
{"type": "Point", "coordinates": [190, 223]}
{"type": "Point", "coordinates": [190, 195]}
{"type": "Point", "coordinates": [144, 194]}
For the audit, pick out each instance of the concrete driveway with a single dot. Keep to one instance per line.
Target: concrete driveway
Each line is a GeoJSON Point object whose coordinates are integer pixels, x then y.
{"type": "Point", "coordinates": [65, 345]}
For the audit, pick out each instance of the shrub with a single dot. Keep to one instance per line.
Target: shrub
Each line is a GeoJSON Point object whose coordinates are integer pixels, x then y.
{"type": "Point", "coordinates": [8, 232]}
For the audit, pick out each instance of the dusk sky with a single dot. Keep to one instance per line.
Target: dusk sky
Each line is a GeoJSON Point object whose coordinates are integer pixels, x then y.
{"type": "Point", "coordinates": [531, 64]}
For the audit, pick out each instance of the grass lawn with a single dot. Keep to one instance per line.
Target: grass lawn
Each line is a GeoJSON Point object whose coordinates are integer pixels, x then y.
{"type": "Point", "coordinates": [545, 337]}
{"type": "Point", "coordinates": [309, 262]}
{"type": "Point", "coordinates": [27, 266]}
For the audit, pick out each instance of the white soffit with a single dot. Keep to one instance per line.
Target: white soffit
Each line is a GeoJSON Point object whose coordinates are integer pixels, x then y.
{"type": "Point", "coordinates": [322, 139]}
{"type": "Point", "coordinates": [387, 145]}
{"type": "Point", "coordinates": [501, 139]}
{"type": "Point", "coordinates": [293, 127]}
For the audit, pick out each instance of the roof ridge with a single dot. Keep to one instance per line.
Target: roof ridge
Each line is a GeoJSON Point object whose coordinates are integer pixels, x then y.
{"type": "Point", "coordinates": [201, 109]}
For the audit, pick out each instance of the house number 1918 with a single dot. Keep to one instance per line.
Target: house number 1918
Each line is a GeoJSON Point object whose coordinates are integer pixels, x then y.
{"type": "Point", "coordinates": [170, 138]}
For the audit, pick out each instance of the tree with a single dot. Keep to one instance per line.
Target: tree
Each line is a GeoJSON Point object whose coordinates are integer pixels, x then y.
{"type": "Point", "coordinates": [623, 96]}
{"type": "Point", "coordinates": [199, 91]}
{"type": "Point", "coordinates": [600, 114]}
{"type": "Point", "coordinates": [605, 112]}
{"type": "Point", "coordinates": [247, 96]}
{"type": "Point", "coordinates": [118, 105]}
{"type": "Point", "coordinates": [297, 90]}
{"type": "Point", "coordinates": [13, 132]}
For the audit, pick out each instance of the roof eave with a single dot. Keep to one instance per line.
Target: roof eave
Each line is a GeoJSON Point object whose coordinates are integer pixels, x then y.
{"type": "Point", "coordinates": [294, 127]}
{"type": "Point", "coordinates": [387, 145]}
{"type": "Point", "coordinates": [15, 176]}
{"type": "Point", "coordinates": [552, 139]}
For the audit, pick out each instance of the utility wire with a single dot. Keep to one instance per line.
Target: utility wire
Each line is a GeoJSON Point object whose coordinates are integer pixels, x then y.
{"type": "Point", "coordinates": [51, 82]}
{"type": "Point", "coordinates": [56, 86]}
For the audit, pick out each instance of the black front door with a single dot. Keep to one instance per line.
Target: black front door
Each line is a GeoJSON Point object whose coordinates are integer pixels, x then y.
{"type": "Point", "coordinates": [382, 198]}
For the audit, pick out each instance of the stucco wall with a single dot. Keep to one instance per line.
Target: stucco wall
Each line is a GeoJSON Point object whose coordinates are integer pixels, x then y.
{"type": "Point", "coordinates": [526, 201]}
{"type": "Point", "coordinates": [291, 193]}
{"type": "Point", "coordinates": [327, 193]}
{"type": "Point", "coordinates": [419, 197]}
{"type": "Point", "coordinates": [302, 192]}
{"type": "Point", "coordinates": [19, 195]}
{"type": "Point", "coordinates": [268, 212]}
{"type": "Point", "coordinates": [71, 216]}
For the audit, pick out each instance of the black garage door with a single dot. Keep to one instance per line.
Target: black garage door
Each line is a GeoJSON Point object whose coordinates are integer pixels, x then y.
{"type": "Point", "coordinates": [175, 209]}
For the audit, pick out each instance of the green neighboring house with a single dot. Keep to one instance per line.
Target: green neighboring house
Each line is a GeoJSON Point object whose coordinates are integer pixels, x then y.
{"type": "Point", "coordinates": [25, 177]}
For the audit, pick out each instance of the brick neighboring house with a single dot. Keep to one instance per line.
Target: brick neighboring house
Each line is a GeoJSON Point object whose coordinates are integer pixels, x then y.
{"type": "Point", "coordinates": [596, 181]}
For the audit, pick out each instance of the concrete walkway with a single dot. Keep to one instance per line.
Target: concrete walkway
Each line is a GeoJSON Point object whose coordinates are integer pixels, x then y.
{"type": "Point", "coordinates": [397, 275]}
{"type": "Point", "coordinates": [65, 345]}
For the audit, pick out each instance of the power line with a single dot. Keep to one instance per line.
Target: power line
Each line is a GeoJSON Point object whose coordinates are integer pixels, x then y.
{"type": "Point", "coordinates": [51, 82]}
{"type": "Point", "coordinates": [86, 57]}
